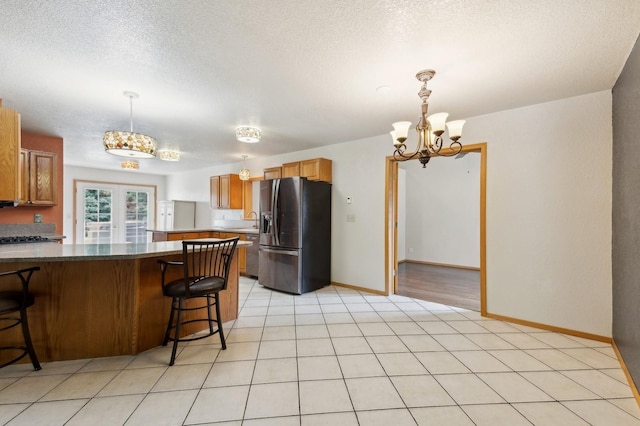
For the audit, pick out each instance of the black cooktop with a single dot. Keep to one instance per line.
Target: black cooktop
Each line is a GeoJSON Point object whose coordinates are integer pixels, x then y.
{"type": "Point", "coordinates": [24, 239]}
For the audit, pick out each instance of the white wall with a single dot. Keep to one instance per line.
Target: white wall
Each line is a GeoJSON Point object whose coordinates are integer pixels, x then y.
{"type": "Point", "coordinates": [442, 210]}
{"type": "Point", "coordinates": [358, 171]}
{"type": "Point", "coordinates": [549, 183]}
{"type": "Point", "coordinates": [548, 209]}
{"type": "Point", "coordinates": [72, 173]}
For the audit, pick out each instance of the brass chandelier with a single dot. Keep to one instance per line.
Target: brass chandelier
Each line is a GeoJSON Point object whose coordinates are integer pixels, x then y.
{"type": "Point", "coordinates": [430, 130]}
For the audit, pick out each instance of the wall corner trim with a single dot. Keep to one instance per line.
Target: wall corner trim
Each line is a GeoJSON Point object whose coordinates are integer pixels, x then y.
{"type": "Point", "coordinates": [632, 384]}
{"type": "Point", "coordinates": [354, 287]}
{"type": "Point", "coordinates": [553, 328]}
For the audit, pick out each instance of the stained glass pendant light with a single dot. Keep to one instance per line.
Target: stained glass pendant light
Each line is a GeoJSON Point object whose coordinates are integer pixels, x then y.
{"type": "Point", "coordinates": [130, 165]}
{"type": "Point", "coordinates": [129, 144]}
{"type": "Point", "coordinates": [244, 173]}
{"type": "Point", "coordinates": [169, 155]}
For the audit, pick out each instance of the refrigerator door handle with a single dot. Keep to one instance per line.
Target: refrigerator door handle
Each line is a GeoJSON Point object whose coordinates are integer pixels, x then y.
{"type": "Point", "coordinates": [266, 223]}
{"type": "Point", "coordinates": [288, 252]}
{"type": "Point", "coordinates": [276, 213]}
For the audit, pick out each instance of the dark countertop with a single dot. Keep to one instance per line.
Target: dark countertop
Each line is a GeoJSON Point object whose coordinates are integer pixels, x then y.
{"type": "Point", "coordinates": [34, 252]}
{"type": "Point", "coordinates": [236, 230]}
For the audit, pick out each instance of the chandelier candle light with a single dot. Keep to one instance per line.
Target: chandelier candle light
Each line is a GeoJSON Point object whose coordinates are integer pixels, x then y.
{"type": "Point", "coordinates": [129, 144]}
{"type": "Point", "coordinates": [430, 130]}
{"type": "Point", "coordinates": [244, 173]}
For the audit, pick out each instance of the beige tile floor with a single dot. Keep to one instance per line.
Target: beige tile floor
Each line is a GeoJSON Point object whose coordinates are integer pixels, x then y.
{"type": "Point", "coordinates": [337, 357]}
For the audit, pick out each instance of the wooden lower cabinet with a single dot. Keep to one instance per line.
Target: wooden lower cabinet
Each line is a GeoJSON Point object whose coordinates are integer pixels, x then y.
{"type": "Point", "coordinates": [159, 236]}
{"type": "Point", "coordinates": [242, 252]}
{"type": "Point", "coordinates": [181, 236]}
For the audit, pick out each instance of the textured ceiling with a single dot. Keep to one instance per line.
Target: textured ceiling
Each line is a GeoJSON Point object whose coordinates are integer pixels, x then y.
{"type": "Point", "coordinates": [306, 72]}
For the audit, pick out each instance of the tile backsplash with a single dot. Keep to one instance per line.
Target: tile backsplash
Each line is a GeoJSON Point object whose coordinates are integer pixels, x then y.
{"type": "Point", "coordinates": [226, 214]}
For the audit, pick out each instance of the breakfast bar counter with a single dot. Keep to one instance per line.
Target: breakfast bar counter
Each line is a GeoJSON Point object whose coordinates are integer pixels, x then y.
{"type": "Point", "coordinates": [96, 300]}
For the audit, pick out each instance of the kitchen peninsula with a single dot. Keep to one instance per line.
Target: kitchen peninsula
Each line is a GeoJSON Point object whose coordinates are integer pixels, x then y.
{"type": "Point", "coordinates": [96, 300]}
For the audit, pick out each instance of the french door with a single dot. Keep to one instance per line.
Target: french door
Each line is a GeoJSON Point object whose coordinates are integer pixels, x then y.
{"type": "Point", "coordinates": [112, 213]}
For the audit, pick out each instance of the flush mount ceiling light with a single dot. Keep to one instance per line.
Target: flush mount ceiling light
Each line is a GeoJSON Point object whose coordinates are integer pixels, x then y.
{"type": "Point", "coordinates": [430, 130]}
{"type": "Point", "coordinates": [248, 134]}
{"type": "Point", "coordinates": [244, 173]}
{"type": "Point", "coordinates": [169, 155]}
{"type": "Point", "coordinates": [129, 144]}
{"type": "Point", "coordinates": [130, 165]}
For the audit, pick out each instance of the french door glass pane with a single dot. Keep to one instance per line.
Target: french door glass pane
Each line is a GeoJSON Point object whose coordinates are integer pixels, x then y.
{"type": "Point", "coordinates": [114, 214]}
{"type": "Point", "coordinates": [98, 227]}
{"type": "Point", "coordinates": [137, 216]}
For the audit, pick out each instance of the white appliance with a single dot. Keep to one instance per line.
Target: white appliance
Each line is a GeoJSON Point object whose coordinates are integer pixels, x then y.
{"type": "Point", "coordinates": [176, 214]}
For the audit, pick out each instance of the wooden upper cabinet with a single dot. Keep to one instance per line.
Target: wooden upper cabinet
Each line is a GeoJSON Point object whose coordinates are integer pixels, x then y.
{"type": "Point", "coordinates": [247, 198]}
{"type": "Point", "coordinates": [39, 178]}
{"type": "Point", "coordinates": [214, 191]}
{"type": "Point", "coordinates": [225, 192]}
{"type": "Point", "coordinates": [314, 169]}
{"type": "Point", "coordinates": [9, 154]}
{"type": "Point", "coordinates": [24, 176]}
{"type": "Point", "coordinates": [273, 173]}
{"type": "Point", "coordinates": [291, 169]}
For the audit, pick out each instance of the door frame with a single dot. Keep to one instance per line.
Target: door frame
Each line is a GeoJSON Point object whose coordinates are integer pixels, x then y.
{"type": "Point", "coordinates": [391, 223]}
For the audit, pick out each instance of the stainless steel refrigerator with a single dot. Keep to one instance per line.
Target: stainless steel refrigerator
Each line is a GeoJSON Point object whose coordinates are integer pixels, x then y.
{"type": "Point", "coordinates": [295, 234]}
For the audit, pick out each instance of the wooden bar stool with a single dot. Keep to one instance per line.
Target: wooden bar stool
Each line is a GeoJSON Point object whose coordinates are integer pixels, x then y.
{"type": "Point", "coordinates": [205, 274]}
{"type": "Point", "coordinates": [17, 302]}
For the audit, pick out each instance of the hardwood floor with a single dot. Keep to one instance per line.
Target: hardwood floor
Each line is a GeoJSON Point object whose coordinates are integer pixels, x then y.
{"type": "Point", "coordinates": [440, 284]}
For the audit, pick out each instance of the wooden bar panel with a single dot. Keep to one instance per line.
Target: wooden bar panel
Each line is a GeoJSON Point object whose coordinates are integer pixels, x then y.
{"type": "Point", "coordinates": [153, 312]}
{"type": "Point", "coordinates": [97, 308]}
{"type": "Point", "coordinates": [81, 310]}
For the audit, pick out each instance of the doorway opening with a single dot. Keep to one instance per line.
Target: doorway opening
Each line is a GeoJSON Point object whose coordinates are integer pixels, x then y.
{"type": "Point", "coordinates": [446, 285]}
{"type": "Point", "coordinates": [395, 267]}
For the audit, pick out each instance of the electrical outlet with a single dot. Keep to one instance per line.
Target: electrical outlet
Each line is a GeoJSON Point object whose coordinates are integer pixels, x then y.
{"type": "Point", "coordinates": [349, 199]}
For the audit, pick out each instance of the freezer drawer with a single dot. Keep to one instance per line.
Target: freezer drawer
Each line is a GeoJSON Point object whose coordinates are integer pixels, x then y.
{"type": "Point", "coordinates": [280, 269]}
